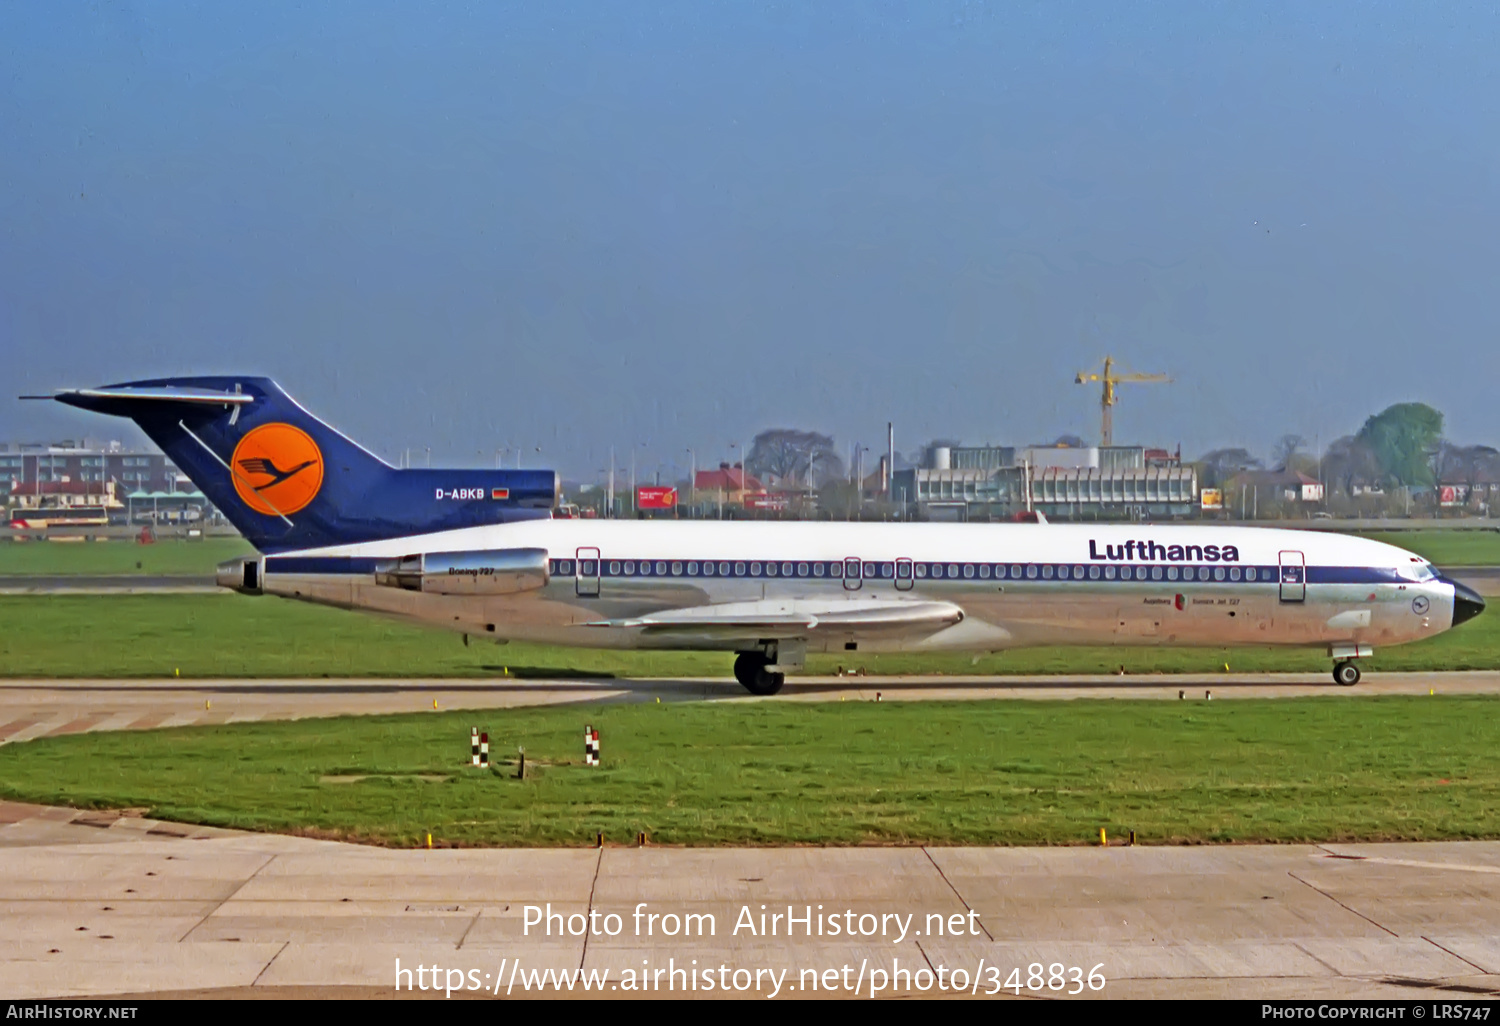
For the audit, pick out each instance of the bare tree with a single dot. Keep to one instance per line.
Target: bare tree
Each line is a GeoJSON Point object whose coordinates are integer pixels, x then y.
{"type": "Point", "coordinates": [790, 455]}
{"type": "Point", "coordinates": [1222, 464]}
{"type": "Point", "coordinates": [1287, 446]}
{"type": "Point", "coordinates": [1348, 462]}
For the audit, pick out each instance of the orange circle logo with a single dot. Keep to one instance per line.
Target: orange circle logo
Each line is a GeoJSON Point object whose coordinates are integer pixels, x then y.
{"type": "Point", "coordinates": [277, 469]}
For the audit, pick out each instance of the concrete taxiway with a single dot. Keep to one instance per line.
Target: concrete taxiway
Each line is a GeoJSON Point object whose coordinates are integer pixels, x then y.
{"type": "Point", "coordinates": [104, 904]}
{"type": "Point", "coordinates": [41, 708]}
{"type": "Point", "coordinates": [97, 904]}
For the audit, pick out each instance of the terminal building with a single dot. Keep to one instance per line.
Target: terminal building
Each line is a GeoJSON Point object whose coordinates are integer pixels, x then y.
{"type": "Point", "coordinates": [1118, 482]}
{"type": "Point", "coordinates": [128, 484]}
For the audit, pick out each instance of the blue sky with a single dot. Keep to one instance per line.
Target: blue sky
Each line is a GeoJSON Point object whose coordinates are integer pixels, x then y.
{"type": "Point", "coordinates": [662, 225]}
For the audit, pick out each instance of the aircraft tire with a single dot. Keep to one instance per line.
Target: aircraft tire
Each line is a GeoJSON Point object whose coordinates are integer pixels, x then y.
{"type": "Point", "coordinates": [1345, 674]}
{"type": "Point", "coordinates": [750, 671]}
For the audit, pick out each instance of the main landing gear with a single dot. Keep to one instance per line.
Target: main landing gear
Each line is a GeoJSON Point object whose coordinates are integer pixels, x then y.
{"type": "Point", "coordinates": [1346, 673]}
{"type": "Point", "coordinates": [750, 670]}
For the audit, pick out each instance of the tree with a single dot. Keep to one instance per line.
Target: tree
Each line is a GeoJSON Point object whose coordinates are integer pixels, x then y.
{"type": "Point", "coordinates": [1349, 462]}
{"type": "Point", "coordinates": [790, 454]}
{"type": "Point", "coordinates": [1465, 465]}
{"type": "Point", "coordinates": [1287, 446]}
{"type": "Point", "coordinates": [1222, 464]}
{"type": "Point", "coordinates": [1403, 439]}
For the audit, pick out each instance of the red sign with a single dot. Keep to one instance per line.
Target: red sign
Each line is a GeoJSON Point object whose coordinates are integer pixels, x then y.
{"type": "Point", "coordinates": [655, 497]}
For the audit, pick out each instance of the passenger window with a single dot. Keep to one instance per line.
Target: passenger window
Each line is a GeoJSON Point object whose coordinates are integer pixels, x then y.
{"type": "Point", "coordinates": [817, 569]}
{"type": "Point", "coordinates": [1250, 573]}
{"type": "Point", "coordinates": [1062, 573]}
{"type": "Point", "coordinates": [661, 569]}
{"type": "Point", "coordinates": [692, 569]}
{"type": "Point", "coordinates": [739, 569]}
{"type": "Point", "coordinates": [786, 569]}
{"type": "Point", "coordinates": [1015, 573]}
{"type": "Point", "coordinates": [869, 570]}
{"type": "Point", "coordinates": [1171, 573]}
{"type": "Point", "coordinates": [1047, 572]}
{"type": "Point", "coordinates": [723, 569]}
{"type": "Point", "coordinates": [1218, 573]}
{"type": "Point", "coordinates": [921, 569]}
{"type": "Point", "coordinates": [1078, 573]}
{"type": "Point", "coordinates": [984, 570]}
{"type": "Point", "coordinates": [770, 569]}
{"type": "Point", "coordinates": [588, 568]}
{"type": "Point", "coordinates": [614, 567]}
{"type": "Point", "coordinates": [952, 569]}
{"type": "Point", "coordinates": [801, 569]}
{"type": "Point", "coordinates": [1234, 573]}
{"type": "Point", "coordinates": [903, 571]}
{"type": "Point", "coordinates": [1109, 573]}
{"type": "Point", "coordinates": [676, 569]}
{"type": "Point", "coordinates": [887, 571]}
{"type": "Point", "coordinates": [1031, 571]}
{"type": "Point", "coordinates": [565, 567]}
{"type": "Point", "coordinates": [754, 569]}
{"type": "Point", "coordinates": [629, 567]}
{"type": "Point", "coordinates": [1093, 573]}
{"type": "Point", "coordinates": [1156, 573]}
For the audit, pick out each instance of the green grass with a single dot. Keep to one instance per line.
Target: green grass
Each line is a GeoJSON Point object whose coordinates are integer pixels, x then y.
{"type": "Point", "coordinates": [1446, 548]}
{"type": "Point", "coordinates": [768, 772]}
{"type": "Point", "coordinates": [228, 635]}
{"type": "Point", "coordinates": [108, 558]}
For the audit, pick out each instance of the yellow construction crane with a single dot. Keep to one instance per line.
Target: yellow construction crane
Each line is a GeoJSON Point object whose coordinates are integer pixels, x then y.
{"type": "Point", "coordinates": [1108, 400]}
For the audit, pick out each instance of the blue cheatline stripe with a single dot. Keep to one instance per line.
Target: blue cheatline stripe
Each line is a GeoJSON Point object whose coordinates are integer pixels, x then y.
{"type": "Point", "coordinates": [885, 570]}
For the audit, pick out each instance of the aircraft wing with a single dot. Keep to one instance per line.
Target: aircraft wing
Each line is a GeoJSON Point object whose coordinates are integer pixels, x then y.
{"type": "Point", "coordinates": [795, 618]}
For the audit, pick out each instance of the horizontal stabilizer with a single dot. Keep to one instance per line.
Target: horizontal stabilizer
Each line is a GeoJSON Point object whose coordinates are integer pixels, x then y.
{"type": "Point", "coordinates": [110, 400]}
{"type": "Point", "coordinates": [795, 618]}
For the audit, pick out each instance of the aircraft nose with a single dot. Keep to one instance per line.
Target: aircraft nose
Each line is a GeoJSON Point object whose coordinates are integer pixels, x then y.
{"type": "Point", "coordinates": [1467, 603]}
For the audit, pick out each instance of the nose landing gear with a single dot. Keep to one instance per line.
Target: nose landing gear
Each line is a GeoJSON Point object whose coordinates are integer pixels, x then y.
{"type": "Point", "coordinates": [1346, 673]}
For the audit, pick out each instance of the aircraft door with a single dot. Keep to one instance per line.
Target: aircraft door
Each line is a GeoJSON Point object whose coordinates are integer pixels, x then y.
{"type": "Point", "coordinates": [1293, 577]}
{"type": "Point", "coordinates": [852, 577]}
{"type": "Point", "coordinates": [904, 579]}
{"type": "Point", "coordinates": [587, 573]}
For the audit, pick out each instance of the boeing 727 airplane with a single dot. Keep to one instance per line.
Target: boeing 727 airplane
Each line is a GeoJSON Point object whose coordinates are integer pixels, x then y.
{"type": "Point", "coordinates": [478, 552]}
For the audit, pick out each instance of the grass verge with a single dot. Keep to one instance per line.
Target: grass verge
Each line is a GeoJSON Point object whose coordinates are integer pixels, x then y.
{"type": "Point", "coordinates": [118, 557]}
{"type": "Point", "coordinates": [776, 773]}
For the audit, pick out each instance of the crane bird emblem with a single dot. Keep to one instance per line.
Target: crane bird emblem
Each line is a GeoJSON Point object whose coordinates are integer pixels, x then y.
{"type": "Point", "coordinates": [277, 469]}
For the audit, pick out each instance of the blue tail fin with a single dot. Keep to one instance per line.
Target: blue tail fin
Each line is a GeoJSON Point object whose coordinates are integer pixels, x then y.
{"type": "Point", "coordinates": [289, 481]}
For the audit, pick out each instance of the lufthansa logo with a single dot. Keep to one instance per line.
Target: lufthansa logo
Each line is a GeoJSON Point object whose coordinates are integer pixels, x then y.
{"type": "Point", "coordinates": [277, 469]}
{"type": "Point", "coordinates": [1419, 605]}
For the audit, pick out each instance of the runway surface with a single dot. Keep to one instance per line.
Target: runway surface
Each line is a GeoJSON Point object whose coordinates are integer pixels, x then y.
{"type": "Point", "coordinates": [101, 904]}
{"type": "Point", "coordinates": [106, 584]}
{"type": "Point", "coordinates": [42, 708]}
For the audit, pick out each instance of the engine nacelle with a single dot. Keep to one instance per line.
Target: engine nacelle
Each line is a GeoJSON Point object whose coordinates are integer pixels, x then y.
{"type": "Point", "coordinates": [242, 575]}
{"type": "Point", "coordinates": [495, 572]}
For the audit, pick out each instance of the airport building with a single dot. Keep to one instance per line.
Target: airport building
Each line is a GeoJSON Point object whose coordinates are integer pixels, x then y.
{"type": "Point", "coordinates": [1118, 482]}
{"type": "Point", "coordinates": [129, 484]}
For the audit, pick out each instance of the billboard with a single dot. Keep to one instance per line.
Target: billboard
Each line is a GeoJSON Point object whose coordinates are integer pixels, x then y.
{"type": "Point", "coordinates": [1211, 498]}
{"type": "Point", "coordinates": [655, 497]}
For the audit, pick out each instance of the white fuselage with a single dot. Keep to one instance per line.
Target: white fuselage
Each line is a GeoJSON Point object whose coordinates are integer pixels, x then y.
{"type": "Point", "coordinates": [887, 587]}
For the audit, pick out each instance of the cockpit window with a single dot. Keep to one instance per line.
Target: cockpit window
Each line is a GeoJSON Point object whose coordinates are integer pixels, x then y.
{"type": "Point", "coordinates": [1418, 570]}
